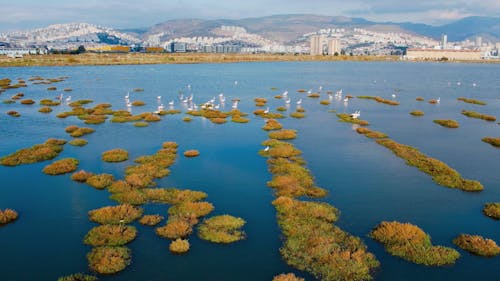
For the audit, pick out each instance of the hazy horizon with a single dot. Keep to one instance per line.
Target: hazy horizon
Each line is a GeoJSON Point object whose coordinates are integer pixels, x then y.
{"type": "Point", "coordinates": [30, 14]}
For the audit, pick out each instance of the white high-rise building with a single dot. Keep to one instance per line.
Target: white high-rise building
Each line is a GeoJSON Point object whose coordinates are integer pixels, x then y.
{"type": "Point", "coordinates": [444, 41]}
{"type": "Point", "coordinates": [316, 44]}
{"type": "Point", "coordinates": [334, 46]}
{"type": "Point", "coordinates": [479, 41]}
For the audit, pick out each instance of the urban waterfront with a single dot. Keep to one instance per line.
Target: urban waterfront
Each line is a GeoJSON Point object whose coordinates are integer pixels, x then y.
{"type": "Point", "coordinates": [366, 182]}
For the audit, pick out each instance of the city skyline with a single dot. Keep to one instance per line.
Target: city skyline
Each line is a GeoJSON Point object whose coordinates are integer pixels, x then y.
{"type": "Point", "coordinates": [29, 14]}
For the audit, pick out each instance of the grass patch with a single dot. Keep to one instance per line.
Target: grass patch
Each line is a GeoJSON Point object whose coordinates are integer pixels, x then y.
{"type": "Point", "coordinates": [473, 114]}
{"type": "Point", "coordinates": [62, 166]}
{"type": "Point", "coordinates": [115, 155]}
{"type": "Point", "coordinates": [379, 100]}
{"type": "Point", "coordinates": [371, 134]}
{"type": "Point", "coordinates": [27, 101]}
{"type": "Point", "coordinates": [492, 210]}
{"type": "Point", "coordinates": [477, 245]}
{"type": "Point", "coordinates": [472, 101]}
{"type": "Point", "coordinates": [45, 110]}
{"type": "Point", "coordinates": [110, 235]}
{"type": "Point", "coordinates": [173, 196]}
{"type": "Point", "coordinates": [344, 117]}
{"type": "Point", "coordinates": [420, 99]}
{"type": "Point", "coordinates": [78, 277]}
{"type": "Point", "coordinates": [78, 142]}
{"type": "Point", "coordinates": [491, 140]}
{"type": "Point", "coordinates": [79, 103]}
{"type": "Point", "coordinates": [271, 125]}
{"type": "Point", "coordinates": [170, 112]}
{"type": "Point", "coordinates": [447, 123]}
{"type": "Point", "coordinates": [409, 242]}
{"type": "Point", "coordinates": [314, 244]}
{"type": "Point", "coordinates": [141, 124]}
{"type": "Point", "coordinates": [281, 108]}
{"type": "Point", "coordinates": [239, 119]}
{"type": "Point", "coordinates": [287, 277]}
{"type": "Point", "coordinates": [175, 229]}
{"type": "Point", "coordinates": [297, 115]}
{"type": "Point", "coordinates": [187, 119]}
{"type": "Point", "coordinates": [7, 216]}
{"type": "Point", "coordinates": [13, 113]}
{"type": "Point", "coordinates": [81, 176]}
{"type": "Point", "coordinates": [191, 153]}
{"type": "Point", "coordinates": [151, 220]}
{"type": "Point", "coordinates": [150, 167]}
{"type": "Point", "coordinates": [313, 95]}
{"type": "Point", "coordinates": [441, 173]}
{"type": "Point", "coordinates": [133, 197]}
{"type": "Point", "coordinates": [324, 102]}
{"type": "Point", "coordinates": [222, 229]}
{"type": "Point", "coordinates": [79, 132]}
{"type": "Point", "coordinates": [121, 214]}
{"type": "Point", "coordinates": [37, 153]}
{"type": "Point", "coordinates": [100, 181]}
{"type": "Point", "coordinates": [417, 113]}
{"type": "Point", "coordinates": [109, 260]}
{"type": "Point", "coordinates": [179, 246]}
{"type": "Point", "coordinates": [284, 134]}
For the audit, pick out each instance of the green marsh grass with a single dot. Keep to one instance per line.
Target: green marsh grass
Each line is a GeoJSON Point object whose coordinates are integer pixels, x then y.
{"type": "Point", "coordinates": [37, 153]}
{"type": "Point", "coordinates": [222, 229]}
{"type": "Point", "coordinates": [132, 197]}
{"type": "Point", "coordinates": [63, 166]}
{"type": "Point", "coordinates": [179, 246]}
{"type": "Point", "coordinates": [324, 102]}
{"type": "Point", "coordinates": [100, 181]}
{"type": "Point", "coordinates": [472, 101]}
{"type": "Point", "coordinates": [170, 112]}
{"type": "Point", "coordinates": [173, 196]}
{"type": "Point", "coordinates": [7, 216]}
{"type": "Point", "coordinates": [109, 260]}
{"type": "Point", "coordinates": [492, 210]}
{"type": "Point", "coordinates": [141, 124]}
{"type": "Point", "coordinates": [110, 235]}
{"type": "Point", "coordinates": [447, 123]}
{"type": "Point", "coordinates": [120, 186]}
{"type": "Point", "coordinates": [411, 243]}
{"type": "Point", "coordinates": [477, 245]}
{"type": "Point", "coordinates": [371, 134]}
{"type": "Point", "coordinates": [441, 173]}
{"type": "Point", "coordinates": [187, 119]}
{"type": "Point", "coordinates": [344, 117]}
{"type": "Point", "coordinates": [281, 108]}
{"type": "Point", "coordinates": [312, 243]}
{"type": "Point", "coordinates": [239, 119]}
{"type": "Point", "coordinates": [114, 155]}
{"type": "Point", "coordinates": [120, 214]}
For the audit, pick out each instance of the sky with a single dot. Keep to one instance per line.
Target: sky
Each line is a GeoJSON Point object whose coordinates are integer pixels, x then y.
{"type": "Point", "coordinates": [29, 14]}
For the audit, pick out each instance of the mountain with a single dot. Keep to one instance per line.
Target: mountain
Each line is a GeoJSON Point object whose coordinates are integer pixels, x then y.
{"type": "Point", "coordinates": [72, 33]}
{"type": "Point", "coordinates": [460, 30]}
{"type": "Point", "coordinates": [287, 28]}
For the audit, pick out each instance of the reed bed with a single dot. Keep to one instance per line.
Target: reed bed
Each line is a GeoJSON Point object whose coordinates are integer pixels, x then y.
{"type": "Point", "coordinates": [471, 101]}
{"type": "Point", "coordinates": [117, 215]}
{"type": "Point", "coordinates": [492, 210]}
{"type": "Point", "coordinates": [411, 243]}
{"type": "Point", "coordinates": [179, 246]}
{"type": "Point", "coordinates": [448, 123]}
{"type": "Point", "coordinates": [81, 176]}
{"type": "Point", "coordinates": [78, 277]}
{"type": "Point", "coordinates": [109, 260]}
{"type": "Point", "coordinates": [110, 235]}
{"type": "Point", "coordinates": [115, 155]}
{"type": "Point", "coordinates": [473, 114]}
{"type": "Point", "coordinates": [100, 181]}
{"type": "Point", "coordinates": [344, 117]}
{"type": "Point", "coordinates": [417, 113]}
{"type": "Point", "coordinates": [222, 229]}
{"type": "Point", "coordinates": [151, 220]}
{"type": "Point", "coordinates": [441, 173]}
{"type": "Point", "coordinates": [477, 245]}
{"type": "Point", "coordinates": [7, 216]}
{"type": "Point", "coordinates": [371, 134]}
{"type": "Point", "coordinates": [37, 153]}
{"type": "Point", "coordinates": [63, 166]}
{"type": "Point", "coordinates": [287, 277]}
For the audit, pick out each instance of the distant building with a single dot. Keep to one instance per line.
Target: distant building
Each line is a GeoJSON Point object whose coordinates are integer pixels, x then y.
{"type": "Point", "coordinates": [436, 54]}
{"type": "Point", "coordinates": [177, 47]}
{"type": "Point", "coordinates": [334, 47]}
{"type": "Point", "coordinates": [316, 43]}
{"type": "Point", "coordinates": [23, 51]}
{"type": "Point", "coordinates": [444, 41]}
{"type": "Point", "coordinates": [479, 41]}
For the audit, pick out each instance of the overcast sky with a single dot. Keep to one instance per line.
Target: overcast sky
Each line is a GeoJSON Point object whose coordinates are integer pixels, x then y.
{"type": "Point", "coordinates": [27, 14]}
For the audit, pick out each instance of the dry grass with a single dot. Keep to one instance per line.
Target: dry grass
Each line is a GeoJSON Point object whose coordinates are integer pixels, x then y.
{"type": "Point", "coordinates": [222, 229]}
{"type": "Point", "coordinates": [121, 214]}
{"type": "Point", "coordinates": [441, 173]}
{"type": "Point", "coordinates": [141, 124]}
{"type": "Point", "coordinates": [110, 235]}
{"type": "Point", "coordinates": [473, 114]}
{"type": "Point", "coordinates": [133, 197]}
{"type": "Point", "coordinates": [81, 176]}
{"type": "Point", "coordinates": [45, 110]}
{"type": "Point", "coordinates": [109, 260]}
{"type": "Point", "coordinates": [78, 142]}
{"type": "Point", "coordinates": [191, 153]}
{"type": "Point", "coordinates": [297, 115]}
{"type": "Point", "coordinates": [287, 277]}
{"type": "Point", "coordinates": [477, 245]}
{"type": "Point", "coordinates": [81, 132]}
{"type": "Point", "coordinates": [314, 244]}
{"type": "Point", "coordinates": [371, 134]}
{"type": "Point", "coordinates": [272, 124]}
{"type": "Point", "coordinates": [284, 134]}
{"type": "Point", "coordinates": [179, 246]}
{"type": "Point", "coordinates": [409, 242]}
{"type": "Point", "coordinates": [492, 210]}
{"type": "Point", "coordinates": [175, 229]}
{"type": "Point", "coordinates": [115, 155]}
{"type": "Point", "coordinates": [100, 181]}
{"type": "Point", "coordinates": [344, 117]}
{"type": "Point", "coordinates": [7, 216]}
{"type": "Point", "coordinates": [472, 101]}
{"type": "Point", "coordinates": [417, 113]}
{"type": "Point", "coordinates": [78, 277]}
{"type": "Point", "coordinates": [420, 99]}
{"type": "Point", "coordinates": [173, 196]}
{"type": "Point", "coordinates": [151, 220]}
{"type": "Point", "coordinates": [37, 153]}
{"type": "Point", "coordinates": [63, 166]}
{"type": "Point", "coordinates": [447, 123]}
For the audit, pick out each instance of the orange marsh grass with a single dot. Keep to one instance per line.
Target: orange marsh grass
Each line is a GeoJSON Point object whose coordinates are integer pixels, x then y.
{"type": "Point", "coordinates": [287, 277]}
{"type": "Point", "coordinates": [477, 245]}
{"type": "Point", "coordinates": [7, 216]}
{"type": "Point", "coordinates": [109, 260]}
{"type": "Point", "coordinates": [62, 166]}
{"type": "Point", "coordinates": [121, 214]}
{"type": "Point", "coordinates": [222, 229]}
{"type": "Point", "coordinates": [179, 246]}
{"type": "Point", "coordinates": [110, 235]}
{"type": "Point", "coordinates": [115, 155]}
{"type": "Point", "coordinates": [37, 153]}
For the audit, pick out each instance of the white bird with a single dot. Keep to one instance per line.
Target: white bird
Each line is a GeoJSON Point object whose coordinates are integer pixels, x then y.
{"type": "Point", "coordinates": [68, 98]}
{"type": "Point", "coordinates": [438, 100]}
{"type": "Point", "coordinates": [356, 114]}
{"type": "Point", "coordinates": [393, 96]}
{"type": "Point", "coordinates": [267, 148]}
{"type": "Point", "coordinates": [158, 97]}
{"type": "Point", "coordinates": [474, 84]}
{"type": "Point", "coordinates": [236, 83]}
{"type": "Point", "coordinates": [171, 103]}
{"type": "Point", "coordinates": [217, 106]}
{"type": "Point", "coordinates": [309, 92]}
{"type": "Point", "coordinates": [287, 101]}
{"type": "Point", "coordinates": [189, 86]}
{"type": "Point", "coordinates": [285, 93]}
{"type": "Point", "coordinates": [181, 97]}
{"type": "Point", "coordinates": [459, 83]}
{"type": "Point", "coordinates": [190, 98]}
{"type": "Point", "coordinates": [127, 96]}
{"type": "Point", "coordinates": [160, 107]}
{"type": "Point", "coordinates": [129, 104]}
{"type": "Point", "coordinates": [320, 88]}
{"type": "Point", "coordinates": [267, 110]}
{"type": "Point", "coordinates": [299, 101]}
{"type": "Point", "coordinates": [235, 105]}
{"type": "Point", "coordinates": [346, 100]}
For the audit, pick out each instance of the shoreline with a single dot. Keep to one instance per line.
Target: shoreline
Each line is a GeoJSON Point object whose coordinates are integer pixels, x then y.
{"type": "Point", "coordinates": [101, 59]}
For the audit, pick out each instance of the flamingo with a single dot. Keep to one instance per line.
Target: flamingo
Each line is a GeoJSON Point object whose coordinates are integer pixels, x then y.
{"type": "Point", "coordinates": [285, 93]}
{"type": "Point", "coordinates": [393, 96]}
{"type": "Point", "coordinates": [438, 100]}
{"type": "Point", "coordinates": [235, 105]}
{"type": "Point", "coordinates": [346, 100]}
{"type": "Point", "coordinates": [267, 110]}
{"type": "Point", "coordinates": [299, 101]}
{"type": "Point", "coordinates": [287, 101]}
{"type": "Point", "coordinates": [127, 96]}
{"type": "Point", "coordinates": [68, 98]}
{"type": "Point", "coordinates": [267, 148]}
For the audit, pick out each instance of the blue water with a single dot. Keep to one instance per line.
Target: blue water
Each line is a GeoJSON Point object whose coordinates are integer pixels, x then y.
{"type": "Point", "coordinates": [367, 183]}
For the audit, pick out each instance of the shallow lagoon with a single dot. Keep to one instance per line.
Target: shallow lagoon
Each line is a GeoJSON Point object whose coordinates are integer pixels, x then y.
{"type": "Point", "coordinates": [366, 181]}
